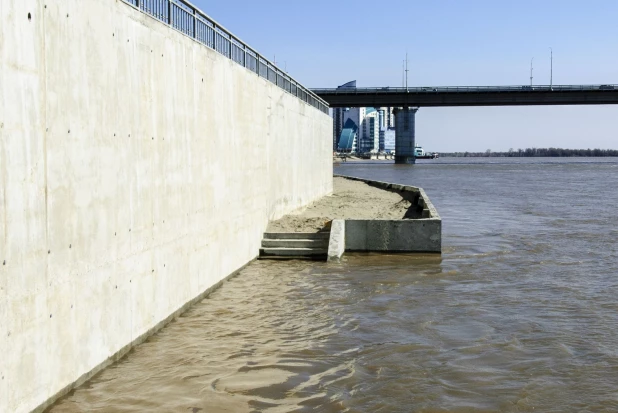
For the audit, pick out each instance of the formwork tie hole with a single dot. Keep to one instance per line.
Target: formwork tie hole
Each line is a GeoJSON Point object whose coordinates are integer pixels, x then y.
{"type": "Point", "coordinates": [29, 16]}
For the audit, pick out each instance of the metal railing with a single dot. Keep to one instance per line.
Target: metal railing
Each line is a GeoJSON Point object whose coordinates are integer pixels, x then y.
{"type": "Point", "coordinates": [186, 18]}
{"type": "Point", "coordinates": [465, 89]}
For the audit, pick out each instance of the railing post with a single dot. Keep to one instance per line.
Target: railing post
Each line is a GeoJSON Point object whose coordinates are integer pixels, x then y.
{"type": "Point", "coordinates": [137, 3]}
{"type": "Point", "coordinates": [230, 48]}
{"type": "Point", "coordinates": [195, 24]}
{"type": "Point", "coordinates": [170, 7]}
{"type": "Point", "coordinates": [214, 37]}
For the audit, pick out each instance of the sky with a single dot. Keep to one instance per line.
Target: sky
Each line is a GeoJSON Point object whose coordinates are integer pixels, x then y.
{"type": "Point", "coordinates": [449, 43]}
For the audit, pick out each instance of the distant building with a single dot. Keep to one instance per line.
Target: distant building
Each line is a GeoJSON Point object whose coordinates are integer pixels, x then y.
{"type": "Point", "coordinates": [347, 139]}
{"type": "Point", "coordinates": [337, 125]}
{"type": "Point", "coordinates": [361, 130]}
{"type": "Point", "coordinates": [358, 129]}
{"type": "Point", "coordinates": [338, 117]}
{"type": "Point", "coordinates": [387, 120]}
{"type": "Point", "coordinates": [389, 140]}
{"type": "Point", "coordinates": [369, 139]}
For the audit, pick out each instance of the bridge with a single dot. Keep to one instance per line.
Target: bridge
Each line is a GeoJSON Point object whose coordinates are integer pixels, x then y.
{"type": "Point", "coordinates": [408, 100]}
{"type": "Point", "coordinates": [440, 96]}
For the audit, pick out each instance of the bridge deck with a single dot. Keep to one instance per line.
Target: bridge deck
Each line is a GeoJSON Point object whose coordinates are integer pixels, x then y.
{"type": "Point", "coordinates": [470, 96]}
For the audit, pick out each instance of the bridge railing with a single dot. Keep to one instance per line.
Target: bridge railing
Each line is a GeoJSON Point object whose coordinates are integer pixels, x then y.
{"type": "Point", "coordinates": [466, 89]}
{"type": "Point", "coordinates": [186, 18]}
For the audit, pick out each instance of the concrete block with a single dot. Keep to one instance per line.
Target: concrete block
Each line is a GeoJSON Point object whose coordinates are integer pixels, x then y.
{"type": "Point", "coordinates": [336, 244]}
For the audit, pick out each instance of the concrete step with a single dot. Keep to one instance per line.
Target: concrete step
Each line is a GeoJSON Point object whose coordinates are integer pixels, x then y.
{"type": "Point", "coordinates": [294, 257]}
{"type": "Point", "coordinates": [295, 243]}
{"type": "Point", "coordinates": [297, 252]}
{"type": "Point", "coordinates": [296, 235]}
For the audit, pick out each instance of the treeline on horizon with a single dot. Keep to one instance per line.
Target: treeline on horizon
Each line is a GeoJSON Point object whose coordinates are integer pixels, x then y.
{"type": "Point", "coordinates": [535, 152]}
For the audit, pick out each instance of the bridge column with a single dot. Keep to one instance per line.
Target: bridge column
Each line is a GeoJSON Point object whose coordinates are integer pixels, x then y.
{"type": "Point", "coordinates": [404, 135]}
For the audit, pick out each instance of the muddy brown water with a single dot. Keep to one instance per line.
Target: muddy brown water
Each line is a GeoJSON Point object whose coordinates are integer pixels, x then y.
{"type": "Point", "coordinates": [519, 313]}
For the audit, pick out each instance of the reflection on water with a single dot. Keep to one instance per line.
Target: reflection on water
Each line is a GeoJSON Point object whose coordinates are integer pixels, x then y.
{"type": "Point", "coordinates": [519, 313]}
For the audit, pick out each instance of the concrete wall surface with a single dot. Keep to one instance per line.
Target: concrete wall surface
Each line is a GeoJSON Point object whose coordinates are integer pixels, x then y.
{"type": "Point", "coordinates": [137, 169]}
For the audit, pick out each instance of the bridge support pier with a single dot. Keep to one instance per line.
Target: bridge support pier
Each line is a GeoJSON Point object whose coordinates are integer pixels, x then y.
{"type": "Point", "coordinates": [404, 135]}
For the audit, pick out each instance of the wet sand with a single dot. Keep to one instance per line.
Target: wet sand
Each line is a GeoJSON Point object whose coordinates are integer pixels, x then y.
{"type": "Point", "coordinates": [350, 200]}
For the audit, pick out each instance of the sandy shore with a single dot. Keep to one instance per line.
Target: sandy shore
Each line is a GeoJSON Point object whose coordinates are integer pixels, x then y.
{"type": "Point", "coordinates": [350, 200]}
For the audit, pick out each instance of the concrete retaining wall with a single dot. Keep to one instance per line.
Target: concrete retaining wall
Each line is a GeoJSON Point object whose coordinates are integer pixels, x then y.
{"type": "Point", "coordinates": [137, 169]}
{"type": "Point", "coordinates": [411, 235]}
{"type": "Point", "coordinates": [400, 235]}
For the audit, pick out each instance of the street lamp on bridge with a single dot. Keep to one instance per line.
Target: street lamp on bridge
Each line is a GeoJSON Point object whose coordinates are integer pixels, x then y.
{"type": "Point", "coordinates": [551, 67]}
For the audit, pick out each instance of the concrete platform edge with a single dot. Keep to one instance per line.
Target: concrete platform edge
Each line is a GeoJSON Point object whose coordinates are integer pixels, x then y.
{"type": "Point", "coordinates": [399, 235]}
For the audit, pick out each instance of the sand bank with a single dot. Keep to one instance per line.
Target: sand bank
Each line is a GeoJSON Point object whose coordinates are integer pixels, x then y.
{"type": "Point", "coordinates": [350, 200]}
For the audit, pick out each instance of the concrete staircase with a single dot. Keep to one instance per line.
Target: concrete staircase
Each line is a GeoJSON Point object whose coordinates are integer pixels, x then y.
{"type": "Point", "coordinates": [295, 245]}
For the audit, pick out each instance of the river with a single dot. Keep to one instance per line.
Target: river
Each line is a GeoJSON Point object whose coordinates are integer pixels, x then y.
{"type": "Point", "coordinates": [518, 314]}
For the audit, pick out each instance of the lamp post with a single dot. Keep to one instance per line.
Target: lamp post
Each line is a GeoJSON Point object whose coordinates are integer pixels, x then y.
{"type": "Point", "coordinates": [551, 67]}
{"type": "Point", "coordinates": [406, 71]}
{"type": "Point", "coordinates": [531, 60]}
